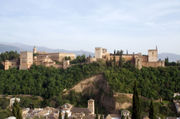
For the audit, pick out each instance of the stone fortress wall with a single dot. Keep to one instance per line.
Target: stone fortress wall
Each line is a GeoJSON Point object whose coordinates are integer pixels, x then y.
{"type": "Point", "coordinates": [27, 59]}
{"type": "Point", "coordinates": [58, 59]}
{"type": "Point", "coordinates": [139, 60]}
{"type": "Point", "coordinates": [10, 64]}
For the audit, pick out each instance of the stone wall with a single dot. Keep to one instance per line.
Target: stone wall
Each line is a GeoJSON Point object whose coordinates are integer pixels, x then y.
{"type": "Point", "coordinates": [10, 64]}
{"type": "Point", "coordinates": [26, 60]}
{"type": "Point", "coordinates": [154, 64]}
{"type": "Point", "coordinates": [61, 56]}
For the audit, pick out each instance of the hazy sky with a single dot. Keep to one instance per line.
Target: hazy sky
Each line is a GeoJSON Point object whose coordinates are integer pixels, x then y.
{"type": "Point", "coordinates": [134, 25]}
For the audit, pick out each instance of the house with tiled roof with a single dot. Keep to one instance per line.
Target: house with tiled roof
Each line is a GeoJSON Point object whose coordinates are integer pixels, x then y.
{"type": "Point", "coordinates": [78, 113]}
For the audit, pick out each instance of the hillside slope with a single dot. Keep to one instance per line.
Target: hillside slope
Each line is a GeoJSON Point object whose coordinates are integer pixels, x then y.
{"type": "Point", "coordinates": [97, 85]}
{"type": "Point", "coordinates": [113, 102]}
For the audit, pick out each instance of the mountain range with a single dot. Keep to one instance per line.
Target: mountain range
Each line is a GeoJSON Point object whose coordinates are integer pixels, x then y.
{"type": "Point", "coordinates": [23, 47]}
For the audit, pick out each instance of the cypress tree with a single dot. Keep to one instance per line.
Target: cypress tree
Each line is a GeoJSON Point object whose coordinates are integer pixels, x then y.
{"type": "Point", "coordinates": [96, 116]}
{"type": "Point", "coordinates": [66, 116]}
{"type": "Point", "coordinates": [16, 110]}
{"type": "Point", "coordinates": [60, 116]}
{"type": "Point", "coordinates": [152, 111]}
{"type": "Point", "coordinates": [122, 117]}
{"type": "Point", "coordinates": [136, 103]}
{"type": "Point", "coordinates": [102, 117]}
{"type": "Point", "coordinates": [114, 60]}
{"type": "Point", "coordinates": [120, 58]}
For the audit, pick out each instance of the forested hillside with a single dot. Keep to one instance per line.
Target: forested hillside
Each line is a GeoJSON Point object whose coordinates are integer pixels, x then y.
{"type": "Point", "coordinates": [43, 81]}
{"type": "Point", "coordinates": [153, 83]}
{"type": "Point", "coordinates": [50, 83]}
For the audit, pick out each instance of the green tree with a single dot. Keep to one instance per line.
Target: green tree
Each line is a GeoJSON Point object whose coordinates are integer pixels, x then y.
{"type": "Point", "coordinates": [16, 110]}
{"type": "Point", "coordinates": [114, 60]}
{"type": "Point", "coordinates": [136, 103]}
{"type": "Point", "coordinates": [79, 59]}
{"type": "Point", "coordinates": [166, 61]}
{"type": "Point", "coordinates": [60, 115]}
{"type": "Point", "coordinates": [96, 116]}
{"type": "Point", "coordinates": [102, 116]}
{"type": "Point", "coordinates": [66, 116]}
{"type": "Point", "coordinates": [120, 58]}
{"type": "Point", "coordinates": [152, 111]}
{"type": "Point", "coordinates": [122, 117]}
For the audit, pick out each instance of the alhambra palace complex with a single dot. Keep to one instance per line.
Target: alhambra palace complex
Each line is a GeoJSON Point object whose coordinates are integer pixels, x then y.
{"type": "Point", "coordinates": [139, 60]}
{"type": "Point", "coordinates": [27, 59]}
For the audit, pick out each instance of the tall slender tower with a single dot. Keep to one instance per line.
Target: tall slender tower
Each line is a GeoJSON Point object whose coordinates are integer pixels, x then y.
{"type": "Point", "coordinates": [34, 50]}
{"type": "Point", "coordinates": [91, 106]}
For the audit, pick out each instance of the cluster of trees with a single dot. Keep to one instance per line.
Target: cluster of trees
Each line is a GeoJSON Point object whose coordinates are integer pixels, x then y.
{"type": "Point", "coordinates": [152, 82]}
{"type": "Point", "coordinates": [79, 59]}
{"type": "Point", "coordinates": [16, 110]}
{"type": "Point", "coordinates": [167, 63]}
{"type": "Point", "coordinates": [5, 112]}
{"type": "Point", "coordinates": [8, 55]}
{"type": "Point", "coordinates": [136, 108]}
{"type": "Point", "coordinates": [43, 81]}
{"type": "Point", "coordinates": [50, 82]}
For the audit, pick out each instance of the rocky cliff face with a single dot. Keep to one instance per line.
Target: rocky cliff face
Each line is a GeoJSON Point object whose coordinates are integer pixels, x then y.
{"type": "Point", "coordinates": [97, 85]}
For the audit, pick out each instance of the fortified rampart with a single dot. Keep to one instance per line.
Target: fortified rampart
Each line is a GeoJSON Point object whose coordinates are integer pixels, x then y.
{"type": "Point", "coordinates": [139, 60]}
{"type": "Point", "coordinates": [27, 59]}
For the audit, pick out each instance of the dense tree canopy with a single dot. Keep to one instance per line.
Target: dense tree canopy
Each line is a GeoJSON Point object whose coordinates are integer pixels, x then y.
{"type": "Point", "coordinates": [43, 81]}
{"type": "Point", "coordinates": [152, 82]}
{"type": "Point", "coordinates": [16, 110]}
{"type": "Point", "coordinates": [136, 111]}
{"type": "Point", "coordinates": [79, 59]}
{"type": "Point", "coordinates": [8, 55]}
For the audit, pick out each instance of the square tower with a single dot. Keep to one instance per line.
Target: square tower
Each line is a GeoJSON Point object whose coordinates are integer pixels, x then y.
{"type": "Point", "coordinates": [153, 55]}
{"type": "Point", "coordinates": [91, 106]}
{"type": "Point", "coordinates": [100, 52]}
{"type": "Point", "coordinates": [26, 60]}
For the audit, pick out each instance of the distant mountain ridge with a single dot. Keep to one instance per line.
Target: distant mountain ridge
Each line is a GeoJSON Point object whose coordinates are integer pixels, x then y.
{"type": "Point", "coordinates": [172, 57]}
{"type": "Point", "coordinates": [22, 47]}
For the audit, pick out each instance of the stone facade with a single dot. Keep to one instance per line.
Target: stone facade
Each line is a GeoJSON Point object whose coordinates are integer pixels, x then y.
{"type": "Point", "coordinates": [153, 55]}
{"type": "Point", "coordinates": [43, 60]}
{"type": "Point", "coordinates": [91, 106]}
{"type": "Point", "coordinates": [10, 64]}
{"type": "Point", "coordinates": [124, 113]}
{"type": "Point", "coordinates": [34, 50]}
{"type": "Point", "coordinates": [78, 113]}
{"type": "Point", "coordinates": [26, 60]}
{"type": "Point", "coordinates": [40, 113]}
{"type": "Point", "coordinates": [61, 56]}
{"type": "Point", "coordinates": [100, 53]}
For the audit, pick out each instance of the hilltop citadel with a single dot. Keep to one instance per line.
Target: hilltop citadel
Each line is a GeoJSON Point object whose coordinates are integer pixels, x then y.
{"type": "Point", "coordinates": [139, 60]}
{"type": "Point", "coordinates": [62, 60]}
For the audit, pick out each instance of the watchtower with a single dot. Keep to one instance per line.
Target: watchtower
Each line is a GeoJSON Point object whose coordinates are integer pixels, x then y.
{"type": "Point", "coordinates": [26, 60]}
{"type": "Point", "coordinates": [91, 106]}
{"type": "Point", "coordinates": [100, 52]}
{"type": "Point", "coordinates": [153, 55]}
{"type": "Point", "coordinates": [34, 50]}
